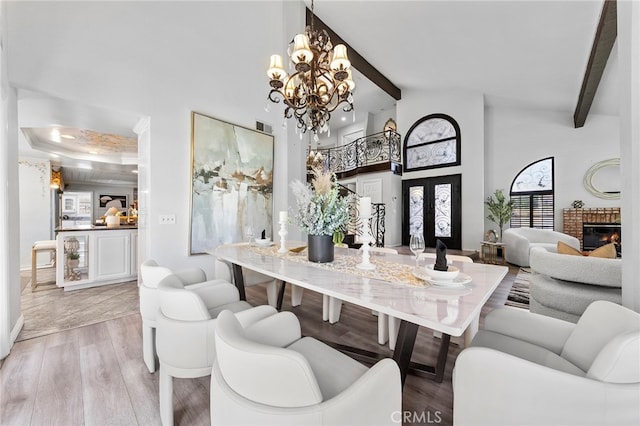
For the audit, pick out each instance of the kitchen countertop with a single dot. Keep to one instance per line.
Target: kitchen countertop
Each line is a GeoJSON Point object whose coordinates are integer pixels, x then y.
{"type": "Point", "coordinates": [94, 228]}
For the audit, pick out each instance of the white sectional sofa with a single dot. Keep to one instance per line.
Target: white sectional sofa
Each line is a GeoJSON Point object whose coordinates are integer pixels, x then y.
{"type": "Point", "coordinates": [518, 242]}
{"type": "Point", "coordinates": [562, 285]}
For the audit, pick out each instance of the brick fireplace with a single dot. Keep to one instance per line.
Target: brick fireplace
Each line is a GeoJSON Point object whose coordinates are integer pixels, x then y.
{"type": "Point", "coordinates": [575, 219]}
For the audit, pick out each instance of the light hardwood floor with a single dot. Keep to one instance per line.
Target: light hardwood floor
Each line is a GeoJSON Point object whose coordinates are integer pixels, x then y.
{"type": "Point", "coordinates": [95, 375]}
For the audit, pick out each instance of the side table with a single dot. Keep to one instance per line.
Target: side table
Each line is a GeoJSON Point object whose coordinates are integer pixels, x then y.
{"type": "Point", "coordinates": [489, 252]}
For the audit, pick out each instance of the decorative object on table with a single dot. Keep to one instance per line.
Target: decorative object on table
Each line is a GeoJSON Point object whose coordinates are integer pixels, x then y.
{"type": "Point", "coordinates": [433, 141]}
{"type": "Point", "coordinates": [577, 204]}
{"type": "Point", "coordinates": [320, 211]}
{"type": "Point", "coordinates": [282, 220]}
{"type": "Point", "coordinates": [417, 245]}
{"type": "Point", "coordinates": [439, 275]}
{"type": "Point", "coordinates": [491, 236]}
{"type": "Point", "coordinates": [322, 80]}
{"type": "Point", "coordinates": [112, 217]}
{"type": "Point", "coordinates": [231, 182]}
{"type": "Point", "coordinates": [366, 238]}
{"type": "Point", "coordinates": [441, 257]}
{"type": "Point", "coordinates": [500, 210]}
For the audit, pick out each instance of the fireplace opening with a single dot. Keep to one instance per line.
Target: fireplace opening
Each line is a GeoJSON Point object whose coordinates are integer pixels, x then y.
{"type": "Point", "coordinates": [598, 234]}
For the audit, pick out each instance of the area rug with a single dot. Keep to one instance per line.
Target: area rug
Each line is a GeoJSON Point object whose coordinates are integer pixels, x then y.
{"type": "Point", "coordinates": [51, 309]}
{"type": "Point", "coordinates": [519, 293]}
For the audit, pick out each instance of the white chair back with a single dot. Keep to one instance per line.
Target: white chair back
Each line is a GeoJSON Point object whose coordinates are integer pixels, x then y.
{"type": "Point", "coordinates": [180, 304]}
{"type": "Point", "coordinates": [263, 374]}
{"type": "Point", "coordinates": [152, 273]}
{"type": "Point", "coordinates": [450, 257]}
{"type": "Point", "coordinates": [602, 330]}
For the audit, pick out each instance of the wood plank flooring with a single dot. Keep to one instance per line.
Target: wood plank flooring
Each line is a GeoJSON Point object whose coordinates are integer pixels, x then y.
{"type": "Point", "coordinates": [94, 375]}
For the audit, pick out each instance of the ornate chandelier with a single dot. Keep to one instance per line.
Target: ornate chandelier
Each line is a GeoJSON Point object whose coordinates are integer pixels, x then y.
{"type": "Point", "coordinates": [321, 82]}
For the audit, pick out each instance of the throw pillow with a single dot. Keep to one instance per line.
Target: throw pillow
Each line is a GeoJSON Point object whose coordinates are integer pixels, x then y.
{"type": "Point", "coordinates": [607, 251]}
{"type": "Point", "coordinates": [564, 248]}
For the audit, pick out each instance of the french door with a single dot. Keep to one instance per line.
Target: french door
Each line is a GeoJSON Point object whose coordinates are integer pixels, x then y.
{"type": "Point", "coordinates": [432, 206]}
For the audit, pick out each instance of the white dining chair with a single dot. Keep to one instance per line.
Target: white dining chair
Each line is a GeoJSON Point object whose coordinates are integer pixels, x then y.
{"type": "Point", "coordinates": [268, 374]}
{"type": "Point", "coordinates": [151, 274]}
{"type": "Point", "coordinates": [223, 271]}
{"type": "Point", "coordinates": [450, 257]}
{"type": "Point", "coordinates": [186, 324]}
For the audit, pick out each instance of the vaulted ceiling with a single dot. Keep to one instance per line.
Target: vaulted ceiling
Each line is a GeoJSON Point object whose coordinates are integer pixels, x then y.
{"type": "Point", "coordinates": [518, 54]}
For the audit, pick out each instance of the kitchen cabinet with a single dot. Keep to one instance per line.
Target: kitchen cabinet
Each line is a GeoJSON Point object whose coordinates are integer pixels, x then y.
{"type": "Point", "coordinates": [90, 256]}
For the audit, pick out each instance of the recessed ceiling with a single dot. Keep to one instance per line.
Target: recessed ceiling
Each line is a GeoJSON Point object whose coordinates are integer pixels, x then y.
{"type": "Point", "coordinates": [83, 144]}
{"type": "Point", "coordinates": [91, 145]}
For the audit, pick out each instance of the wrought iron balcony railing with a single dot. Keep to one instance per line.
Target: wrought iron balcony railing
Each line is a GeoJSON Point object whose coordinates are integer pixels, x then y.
{"type": "Point", "coordinates": [368, 154]}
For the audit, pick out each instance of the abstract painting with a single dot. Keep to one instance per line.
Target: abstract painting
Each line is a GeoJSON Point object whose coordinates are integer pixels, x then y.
{"type": "Point", "coordinates": [231, 183]}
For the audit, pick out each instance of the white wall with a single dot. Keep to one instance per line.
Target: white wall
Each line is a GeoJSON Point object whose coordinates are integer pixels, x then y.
{"type": "Point", "coordinates": [467, 108]}
{"type": "Point", "coordinates": [628, 47]}
{"type": "Point", "coordinates": [515, 138]}
{"type": "Point", "coordinates": [122, 70]}
{"type": "Point", "coordinates": [11, 319]}
{"type": "Point", "coordinates": [35, 206]}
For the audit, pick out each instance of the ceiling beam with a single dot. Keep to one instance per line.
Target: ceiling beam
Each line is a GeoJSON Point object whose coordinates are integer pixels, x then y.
{"type": "Point", "coordinates": [357, 61]}
{"type": "Point", "coordinates": [602, 45]}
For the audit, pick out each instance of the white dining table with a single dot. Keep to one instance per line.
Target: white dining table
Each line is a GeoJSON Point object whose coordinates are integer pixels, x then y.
{"type": "Point", "coordinates": [393, 289]}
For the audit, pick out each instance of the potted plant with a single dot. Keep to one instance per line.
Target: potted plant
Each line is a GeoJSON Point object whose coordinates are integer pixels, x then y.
{"type": "Point", "coordinates": [73, 259]}
{"type": "Point", "coordinates": [500, 210]}
{"type": "Point", "coordinates": [320, 212]}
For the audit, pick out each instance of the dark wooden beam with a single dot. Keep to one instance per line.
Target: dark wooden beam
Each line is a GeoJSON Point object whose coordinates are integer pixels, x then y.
{"type": "Point", "coordinates": [602, 44]}
{"type": "Point", "coordinates": [357, 61]}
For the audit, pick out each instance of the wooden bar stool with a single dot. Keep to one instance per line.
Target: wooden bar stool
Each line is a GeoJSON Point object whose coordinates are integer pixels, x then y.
{"type": "Point", "coordinates": [38, 246]}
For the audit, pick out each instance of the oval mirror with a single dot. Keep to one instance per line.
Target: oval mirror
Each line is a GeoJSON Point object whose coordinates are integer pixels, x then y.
{"type": "Point", "coordinates": [603, 179]}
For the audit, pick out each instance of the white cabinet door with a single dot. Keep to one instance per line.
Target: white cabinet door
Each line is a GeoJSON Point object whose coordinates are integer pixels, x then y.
{"type": "Point", "coordinates": [113, 251]}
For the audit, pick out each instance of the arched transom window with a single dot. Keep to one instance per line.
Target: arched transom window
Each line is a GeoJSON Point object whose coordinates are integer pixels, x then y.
{"type": "Point", "coordinates": [433, 141]}
{"type": "Point", "coordinates": [532, 193]}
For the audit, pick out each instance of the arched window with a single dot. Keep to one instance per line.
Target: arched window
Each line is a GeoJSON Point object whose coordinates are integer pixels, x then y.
{"type": "Point", "coordinates": [532, 193]}
{"type": "Point", "coordinates": [433, 141]}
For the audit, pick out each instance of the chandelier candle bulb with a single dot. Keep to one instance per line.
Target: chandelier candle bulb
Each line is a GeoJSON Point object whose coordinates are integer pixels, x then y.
{"type": "Point", "coordinates": [365, 207]}
{"type": "Point", "coordinates": [276, 68]}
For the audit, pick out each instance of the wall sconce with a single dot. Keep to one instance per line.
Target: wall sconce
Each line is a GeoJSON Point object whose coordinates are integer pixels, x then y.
{"type": "Point", "coordinates": [56, 180]}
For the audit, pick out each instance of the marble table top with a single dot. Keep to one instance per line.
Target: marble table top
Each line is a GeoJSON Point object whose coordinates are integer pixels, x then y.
{"type": "Point", "coordinates": [392, 288]}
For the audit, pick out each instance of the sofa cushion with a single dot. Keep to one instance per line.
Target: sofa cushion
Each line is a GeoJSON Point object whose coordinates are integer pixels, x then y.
{"type": "Point", "coordinates": [607, 251]}
{"type": "Point", "coordinates": [567, 249]}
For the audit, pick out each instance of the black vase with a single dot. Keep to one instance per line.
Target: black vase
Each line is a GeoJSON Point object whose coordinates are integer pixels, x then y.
{"type": "Point", "coordinates": [320, 248]}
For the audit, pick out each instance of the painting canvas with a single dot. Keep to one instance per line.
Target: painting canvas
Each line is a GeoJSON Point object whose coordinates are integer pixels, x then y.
{"type": "Point", "coordinates": [231, 183]}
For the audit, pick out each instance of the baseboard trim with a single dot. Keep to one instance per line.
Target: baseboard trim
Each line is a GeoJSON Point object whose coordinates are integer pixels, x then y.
{"type": "Point", "coordinates": [17, 328]}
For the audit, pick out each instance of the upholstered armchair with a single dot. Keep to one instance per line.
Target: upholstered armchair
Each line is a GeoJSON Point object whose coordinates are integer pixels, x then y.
{"type": "Point", "coordinates": [525, 368]}
{"type": "Point", "coordinates": [268, 375]}
{"type": "Point", "coordinates": [185, 331]}
{"type": "Point", "coordinates": [151, 274]}
{"type": "Point", "coordinates": [563, 286]}
{"type": "Point", "coordinates": [518, 242]}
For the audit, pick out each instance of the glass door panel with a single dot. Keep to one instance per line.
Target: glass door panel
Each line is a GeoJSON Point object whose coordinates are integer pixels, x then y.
{"type": "Point", "coordinates": [433, 207]}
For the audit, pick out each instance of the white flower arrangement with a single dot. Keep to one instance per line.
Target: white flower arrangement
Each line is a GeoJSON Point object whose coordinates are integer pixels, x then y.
{"type": "Point", "coordinates": [321, 210]}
